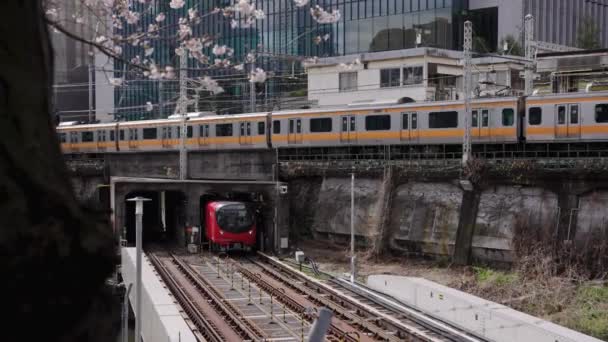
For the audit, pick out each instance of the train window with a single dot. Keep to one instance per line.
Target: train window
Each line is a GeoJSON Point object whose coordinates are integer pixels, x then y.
{"type": "Point", "coordinates": [404, 120]}
{"type": "Point", "coordinates": [298, 126]}
{"type": "Point", "coordinates": [561, 115]}
{"type": "Point", "coordinates": [474, 119]}
{"type": "Point", "coordinates": [261, 128]}
{"type": "Point", "coordinates": [249, 129]}
{"type": "Point", "coordinates": [443, 119]}
{"type": "Point", "coordinates": [573, 114]}
{"type": "Point", "coordinates": [62, 137]}
{"type": "Point", "coordinates": [353, 124]}
{"type": "Point", "coordinates": [535, 115]}
{"type": "Point", "coordinates": [121, 134]}
{"type": "Point", "coordinates": [112, 135]}
{"type": "Point", "coordinates": [86, 136]}
{"type": "Point", "coordinates": [377, 122]}
{"type": "Point", "coordinates": [414, 121]}
{"type": "Point", "coordinates": [223, 130]}
{"type": "Point", "coordinates": [601, 113]}
{"type": "Point", "coordinates": [485, 118]}
{"type": "Point", "coordinates": [242, 128]}
{"type": "Point", "coordinates": [508, 117]}
{"type": "Point", "coordinates": [320, 125]}
{"type": "Point", "coordinates": [276, 127]}
{"type": "Point", "coordinates": [178, 130]}
{"type": "Point", "coordinates": [150, 133]}
{"type": "Point", "coordinates": [189, 132]}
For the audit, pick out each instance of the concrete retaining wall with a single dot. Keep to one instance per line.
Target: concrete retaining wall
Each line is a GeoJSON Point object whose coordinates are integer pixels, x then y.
{"type": "Point", "coordinates": [332, 214]}
{"type": "Point", "coordinates": [481, 317]}
{"type": "Point", "coordinates": [161, 319]}
{"type": "Point", "coordinates": [424, 217]}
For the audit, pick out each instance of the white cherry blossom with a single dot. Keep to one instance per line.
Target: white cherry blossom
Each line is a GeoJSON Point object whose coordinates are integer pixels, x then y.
{"type": "Point", "coordinates": [257, 76]}
{"type": "Point", "coordinates": [116, 81]}
{"type": "Point", "coordinates": [149, 106]}
{"type": "Point", "coordinates": [323, 17]}
{"type": "Point", "coordinates": [177, 4]}
{"type": "Point", "coordinates": [160, 17]}
{"type": "Point", "coordinates": [301, 3]}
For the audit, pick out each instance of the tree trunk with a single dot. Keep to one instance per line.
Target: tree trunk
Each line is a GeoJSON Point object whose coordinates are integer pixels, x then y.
{"type": "Point", "coordinates": [55, 254]}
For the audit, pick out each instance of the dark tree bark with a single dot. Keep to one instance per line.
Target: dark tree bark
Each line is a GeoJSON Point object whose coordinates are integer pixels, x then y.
{"type": "Point", "coordinates": [55, 254]}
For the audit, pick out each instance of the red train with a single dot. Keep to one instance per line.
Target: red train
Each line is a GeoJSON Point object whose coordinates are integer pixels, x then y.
{"type": "Point", "coordinates": [230, 225]}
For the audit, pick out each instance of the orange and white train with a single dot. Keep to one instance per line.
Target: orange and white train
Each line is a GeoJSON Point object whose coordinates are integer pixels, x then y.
{"type": "Point", "coordinates": [573, 117]}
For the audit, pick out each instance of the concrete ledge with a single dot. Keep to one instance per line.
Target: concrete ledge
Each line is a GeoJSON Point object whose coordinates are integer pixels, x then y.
{"type": "Point", "coordinates": [161, 318]}
{"type": "Point", "coordinates": [483, 318]}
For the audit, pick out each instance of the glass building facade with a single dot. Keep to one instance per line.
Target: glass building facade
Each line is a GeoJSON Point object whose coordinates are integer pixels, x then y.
{"type": "Point", "coordinates": [286, 32]}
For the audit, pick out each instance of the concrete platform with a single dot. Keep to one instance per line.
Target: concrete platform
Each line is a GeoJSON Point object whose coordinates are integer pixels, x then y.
{"type": "Point", "coordinates": [481, 317]}
{"type": "Point", "coordinates": [161, 318]}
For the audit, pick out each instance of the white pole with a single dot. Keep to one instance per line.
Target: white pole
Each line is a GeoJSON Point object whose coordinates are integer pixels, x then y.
{"type": "Point", "coordinates": [183, 109]}
{"type": "Point", "coordinates": [530, 53]}
{"type": "Point", "coordinates": [352, 229]}
{"type": "Point", "coordinates": [91, 75]}
{"type": "Point", "coordinates": [139, 213]}
{"type": "Point", "coordinates": [252, 91]}
{"type": "Point", "coordinates": [468, 45]}
{"type": "Point", "coordinates": [125, 315]}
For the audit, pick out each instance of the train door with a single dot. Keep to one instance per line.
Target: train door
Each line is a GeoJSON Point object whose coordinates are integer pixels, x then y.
{"type": "Point", "coordinates": [203, 134]}
{"type": "Point", "coordinates": [101, 140]}
{"type": "Point", "coordinates": [409, 127]}
{"type": "Point", "coordinates": [294, 134]}
{"type": "Point", "coordinates": [574, 121]}
{"type": "Point", "coordinates": [245, 133]}
{"type": "Point", "coordinates": [480, 124]}
{"type": "Point", "coordinates": [74, 141]}
{"type": "Point", "coordinates": [133, 137]}
{"type": "Point", "coordinates": [567, 121]}
{"type": "Point", "coordinates": [348, 131]}
{"type": "Point", "coordinates": [166, 136]}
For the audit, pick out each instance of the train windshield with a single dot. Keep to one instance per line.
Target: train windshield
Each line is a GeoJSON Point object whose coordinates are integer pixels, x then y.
{"type": "Point", "coordinates": [235, 218]}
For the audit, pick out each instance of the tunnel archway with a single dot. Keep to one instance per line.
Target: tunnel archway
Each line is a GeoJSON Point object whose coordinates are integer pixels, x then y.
{"type": "Point", "coordinates": [163, 215]}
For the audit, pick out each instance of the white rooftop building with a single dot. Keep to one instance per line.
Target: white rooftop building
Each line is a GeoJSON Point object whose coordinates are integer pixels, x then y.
{"type": "Point", "coordinates": [412, 75]}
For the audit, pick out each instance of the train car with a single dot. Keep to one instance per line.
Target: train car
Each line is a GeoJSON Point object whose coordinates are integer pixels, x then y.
{"type": "Point", "coordinates": [230, 225]}
{"type": "Point", "coordinates": [493, 120]}
{"type": "Point", "coordinates": [239, 131]}
{"type": "Point", "coordinates": [93, 138]}
{"type": "Point", "coordinates": [573, 117]}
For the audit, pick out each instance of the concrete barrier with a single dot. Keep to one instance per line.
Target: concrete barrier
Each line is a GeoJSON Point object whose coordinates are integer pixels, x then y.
{"type": "Point", "coordinates": [480, 317]}
{"type": "Point", "coordinates": [161, 319]}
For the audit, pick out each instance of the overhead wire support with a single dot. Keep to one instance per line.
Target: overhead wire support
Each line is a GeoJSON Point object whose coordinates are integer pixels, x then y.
{"type": "Point", "coordinates": [530, 48]}
{"type": "Point", "coordinates": [182, 109]}
{"type": "Point", "coordinates": [467, 89]}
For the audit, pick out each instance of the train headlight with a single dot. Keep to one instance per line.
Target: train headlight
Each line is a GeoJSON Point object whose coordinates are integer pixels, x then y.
{"type": "Point", "coordinates": [221, 232]}
{"type": "Point", "coordinates": [251, 232]}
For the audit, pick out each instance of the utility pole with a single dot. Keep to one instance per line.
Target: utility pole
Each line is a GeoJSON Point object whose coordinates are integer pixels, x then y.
{"type": "Point", "coordinates": [139, 214]}
{"type": "Point", "coordinates": [353, 260]}
{"type": "Point", "coordinates": [161, 103]}
{"type": "Point", "coordinates": [252, 90]}
{"type": "Point", "coordinates": [530, 53]}
{"type": "Point", "coordinates": [183, 108]}
{"type": "Point", "coordinates": [91, 77]}
{"type": "Point", "coordinates": [468, 46]}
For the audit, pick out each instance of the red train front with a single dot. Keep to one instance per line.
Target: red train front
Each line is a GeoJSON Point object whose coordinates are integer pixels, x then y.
{"type": "Point", "coordinates": [230, 225]}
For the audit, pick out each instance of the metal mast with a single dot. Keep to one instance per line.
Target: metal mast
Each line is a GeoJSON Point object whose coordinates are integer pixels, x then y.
{"type": "Point", "coordinates": [468, 45]}
{"type": "Point", "coordinates": [530, 53]}
{"type": "Point", "coordinates": [183, 108]}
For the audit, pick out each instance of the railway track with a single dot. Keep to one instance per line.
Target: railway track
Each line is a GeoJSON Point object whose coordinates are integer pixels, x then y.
{"type": "Point", "coordinates": [373, 315]}
{"type": "Point", "coordinates": [274, 302]}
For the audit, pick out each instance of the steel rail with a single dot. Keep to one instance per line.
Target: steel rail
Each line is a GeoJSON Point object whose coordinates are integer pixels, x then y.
{"type": "Point", "coordinates": [338, 329]}
{"type": "Point", "coordinates": [424, 328]}
{"type": "Point", "coordinates": [245, 327]}
{"type": "Point", "coordinates": [205, 328]}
